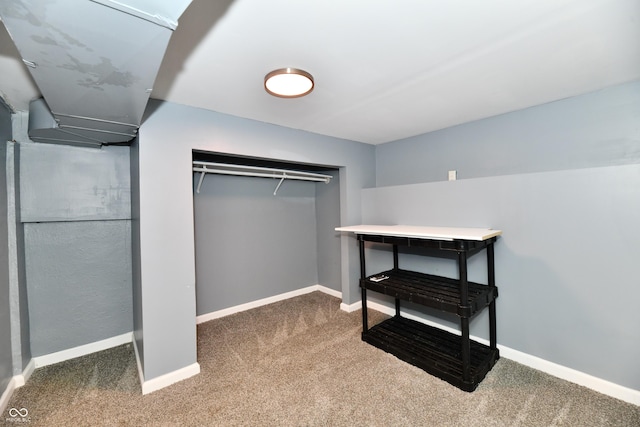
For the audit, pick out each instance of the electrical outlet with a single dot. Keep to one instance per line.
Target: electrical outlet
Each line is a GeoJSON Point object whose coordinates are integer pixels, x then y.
{"type": "Point", "coordinates": [453, 175]}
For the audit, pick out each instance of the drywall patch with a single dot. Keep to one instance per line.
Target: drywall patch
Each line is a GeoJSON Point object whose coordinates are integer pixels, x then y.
{"type": "Point", "coordinates": [60, 183]}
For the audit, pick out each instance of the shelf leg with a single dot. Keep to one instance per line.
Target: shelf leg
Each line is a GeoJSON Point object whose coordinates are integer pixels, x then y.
{"type": "Point", "coordinates": [363, 290]}
{"type": "Point", "coordinates": [395, 257]}
{"type": "Point", "coordinates": [395, 267]}
{"type": "Point", "coordinates": [464, 321]}
{"type": "Point", "coordinates": [493, 341]}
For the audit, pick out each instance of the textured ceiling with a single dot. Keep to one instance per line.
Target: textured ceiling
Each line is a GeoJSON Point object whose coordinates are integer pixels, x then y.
{"type": "Point", "coordinates": [383, 70]}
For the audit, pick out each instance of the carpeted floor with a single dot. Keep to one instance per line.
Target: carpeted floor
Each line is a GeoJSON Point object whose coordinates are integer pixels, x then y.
{"type": "Point", "coordinates": [301, 362]}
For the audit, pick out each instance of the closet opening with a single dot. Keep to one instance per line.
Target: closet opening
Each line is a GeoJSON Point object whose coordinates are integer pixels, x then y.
{"type": "Point", "coordinates": [252, 246]}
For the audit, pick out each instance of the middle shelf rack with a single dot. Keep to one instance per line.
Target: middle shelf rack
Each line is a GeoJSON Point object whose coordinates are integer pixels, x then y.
{"type": "Point", "coordinates": [428, 290]}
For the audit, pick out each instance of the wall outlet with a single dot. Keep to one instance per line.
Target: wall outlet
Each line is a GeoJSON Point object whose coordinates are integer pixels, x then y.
{"type": "Point", "coordinates": [453, 175]}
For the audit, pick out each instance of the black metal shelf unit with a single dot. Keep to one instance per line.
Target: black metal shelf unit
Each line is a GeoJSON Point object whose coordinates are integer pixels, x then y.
{"type": "Point", "coordinates": [454, 358]}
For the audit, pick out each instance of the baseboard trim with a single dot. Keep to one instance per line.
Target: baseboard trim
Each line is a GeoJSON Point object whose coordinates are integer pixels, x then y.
{"type": "Point", "coordinates": [350, 308]}
{"type": "Point", "coordinates": [173, 377]}
{"type": "Point", "coordinates": [269, 300]}
{"type": "Point", "coordinates": [626, 394]}
{"type": "Point", "coordinates": [82, 350]}
{"type": "Point", "coordinates": [26, 374]}
{"type": "Point", "coordinates": [594, 383]}
{"type": "Point", "coordinates": [328, 291]}
{"type": "Point", "coordinates": [165, 380]}
{"type": "Point", "coordinates": [6, 395]}
{"type": "Point", "coordinates": [16, 382]}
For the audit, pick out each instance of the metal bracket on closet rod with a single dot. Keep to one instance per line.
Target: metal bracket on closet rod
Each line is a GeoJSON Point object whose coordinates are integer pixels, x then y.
{"type": "Point", "coordinates": [279, 184]}
{"type": "Point", "coordinates": [256, 171]}
{"type": "Point", "coordinates": [201, 179]}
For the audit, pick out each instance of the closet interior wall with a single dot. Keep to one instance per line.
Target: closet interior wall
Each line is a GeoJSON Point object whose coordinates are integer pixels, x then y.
{"type": "Point", "coordinates": [252, 245]}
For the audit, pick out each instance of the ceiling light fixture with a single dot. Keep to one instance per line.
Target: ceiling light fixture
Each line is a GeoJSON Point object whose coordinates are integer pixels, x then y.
{"type": "Point", "coordinates": [288, 83]}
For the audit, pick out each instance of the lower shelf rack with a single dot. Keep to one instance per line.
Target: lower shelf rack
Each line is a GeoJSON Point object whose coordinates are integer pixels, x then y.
{"type": "Point", "coordinates": [434, 350]}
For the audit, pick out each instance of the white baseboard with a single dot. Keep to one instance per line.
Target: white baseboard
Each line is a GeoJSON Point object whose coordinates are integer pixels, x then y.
{"type": "Point", "coordinates": [350, 308]}
{"type": "Point", "coordinates": [328, 291]}
{"type": "Point", "coordinates": [83, 350]}
{"type": "Point", "coordinates": [173, 377]}
{"type": "Point", "coordinates": [26, 373]}
{"type": "Point", "coordinates": [594, 383]}
{"type": "Point", "coordinates": [6, 395]}
{"type": "Point", "coordinates": [16, 382]}
{"type": "Point", "coordinates": [258, 303]}
{"type": "Point", "coordinates": [165, 380]}
{"type": "Point", "coordinates": [49, 359]}
{"type": "Point", "coordinates": [597, 384]}
{"type": "Point", "coordinates": [149, 386]}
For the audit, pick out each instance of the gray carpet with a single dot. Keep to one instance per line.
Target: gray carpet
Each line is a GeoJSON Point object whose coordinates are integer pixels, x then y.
{"type": "Point", "coordinates": [301, 362]}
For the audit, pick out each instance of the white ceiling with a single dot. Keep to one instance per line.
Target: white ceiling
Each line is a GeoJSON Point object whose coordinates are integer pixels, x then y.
{"type": "Point", "coordinates": [384, 70]}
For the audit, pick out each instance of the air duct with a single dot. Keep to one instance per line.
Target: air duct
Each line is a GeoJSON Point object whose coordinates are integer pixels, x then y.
{"type": "Point", "coordinates": [94, 62]}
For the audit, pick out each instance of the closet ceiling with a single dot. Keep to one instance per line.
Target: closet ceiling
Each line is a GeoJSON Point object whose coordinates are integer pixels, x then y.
{"type": "Point", "coordinates": [384, 70]}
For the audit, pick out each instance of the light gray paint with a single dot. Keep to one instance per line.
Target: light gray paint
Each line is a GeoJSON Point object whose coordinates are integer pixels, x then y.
{"type": "Point", "coordinates": [566, 263]}
{"type": "Point", "coordinates": [6, 352]}
{"type": "Point", "coordinates": [251, 244]}
{"type": "Point", "coordinates": [565, 266]}
{"type": "Point", "coordinates": [167, 261]}
{"type": "Point", "coordinates": [20, 299]}
{"type": "Point", "coordinates": [75, 209]}
{"type": "Point", "coordinates": [79, 282]}
{"type": "Point", "coordinates": [20, 331]}
{"type": "Point", "coordinates": [327, 216]}
{"type": "Point", "coordinates": [135, 252]}
{"type": "Point", "coordinates": [60, 183]}
{"type": "Point", "coordinates": [597, 129]}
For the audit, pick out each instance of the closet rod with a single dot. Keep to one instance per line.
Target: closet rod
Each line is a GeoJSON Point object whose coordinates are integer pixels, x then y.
{"type": "Point", "coordinates": [256, 171]}
{"type": "Point", "coordinates": [290, 173]}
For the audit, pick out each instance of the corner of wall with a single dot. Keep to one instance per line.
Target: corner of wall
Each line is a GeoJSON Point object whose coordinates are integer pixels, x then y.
{"type": "Point", "coordinates": [16, 382]}
{"type": "Point", "coordinates": [158, 383]}
{"type": "Point", "coordinates": [155, 384]}
{"type": "Point", "coordinates": [6, 395]}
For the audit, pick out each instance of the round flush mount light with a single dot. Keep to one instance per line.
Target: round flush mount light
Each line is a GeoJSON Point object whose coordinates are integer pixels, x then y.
{"type": "Point", "coordinates": [288, 83]}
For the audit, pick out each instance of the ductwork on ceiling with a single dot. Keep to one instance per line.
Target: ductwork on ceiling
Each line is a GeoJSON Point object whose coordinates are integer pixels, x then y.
{"type": "Point", "coordinates": [94, 61]}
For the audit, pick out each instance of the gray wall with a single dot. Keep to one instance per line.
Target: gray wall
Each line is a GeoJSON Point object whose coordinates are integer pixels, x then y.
{"type": "Point", "coordinates": [20, 328]}
{"type": "Point", "coordinates": [327, 216]}
{"type": "Point", "coordinates": [79, 282]}
{"type": "Point", "coordinates": [251, 244]}
{"type": "Point", "coordinates": [136, 285]}
{"type": "Point", "coordinates": [566, 263]}
{"type": "Point", "coordinates": [6, 355]}
{"type": "Point", "coordinates": [167, 257]}
{"type": "Point", "coordinates": [600, 129]}
{"type": "Point", "coordinates": [76, 209]}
